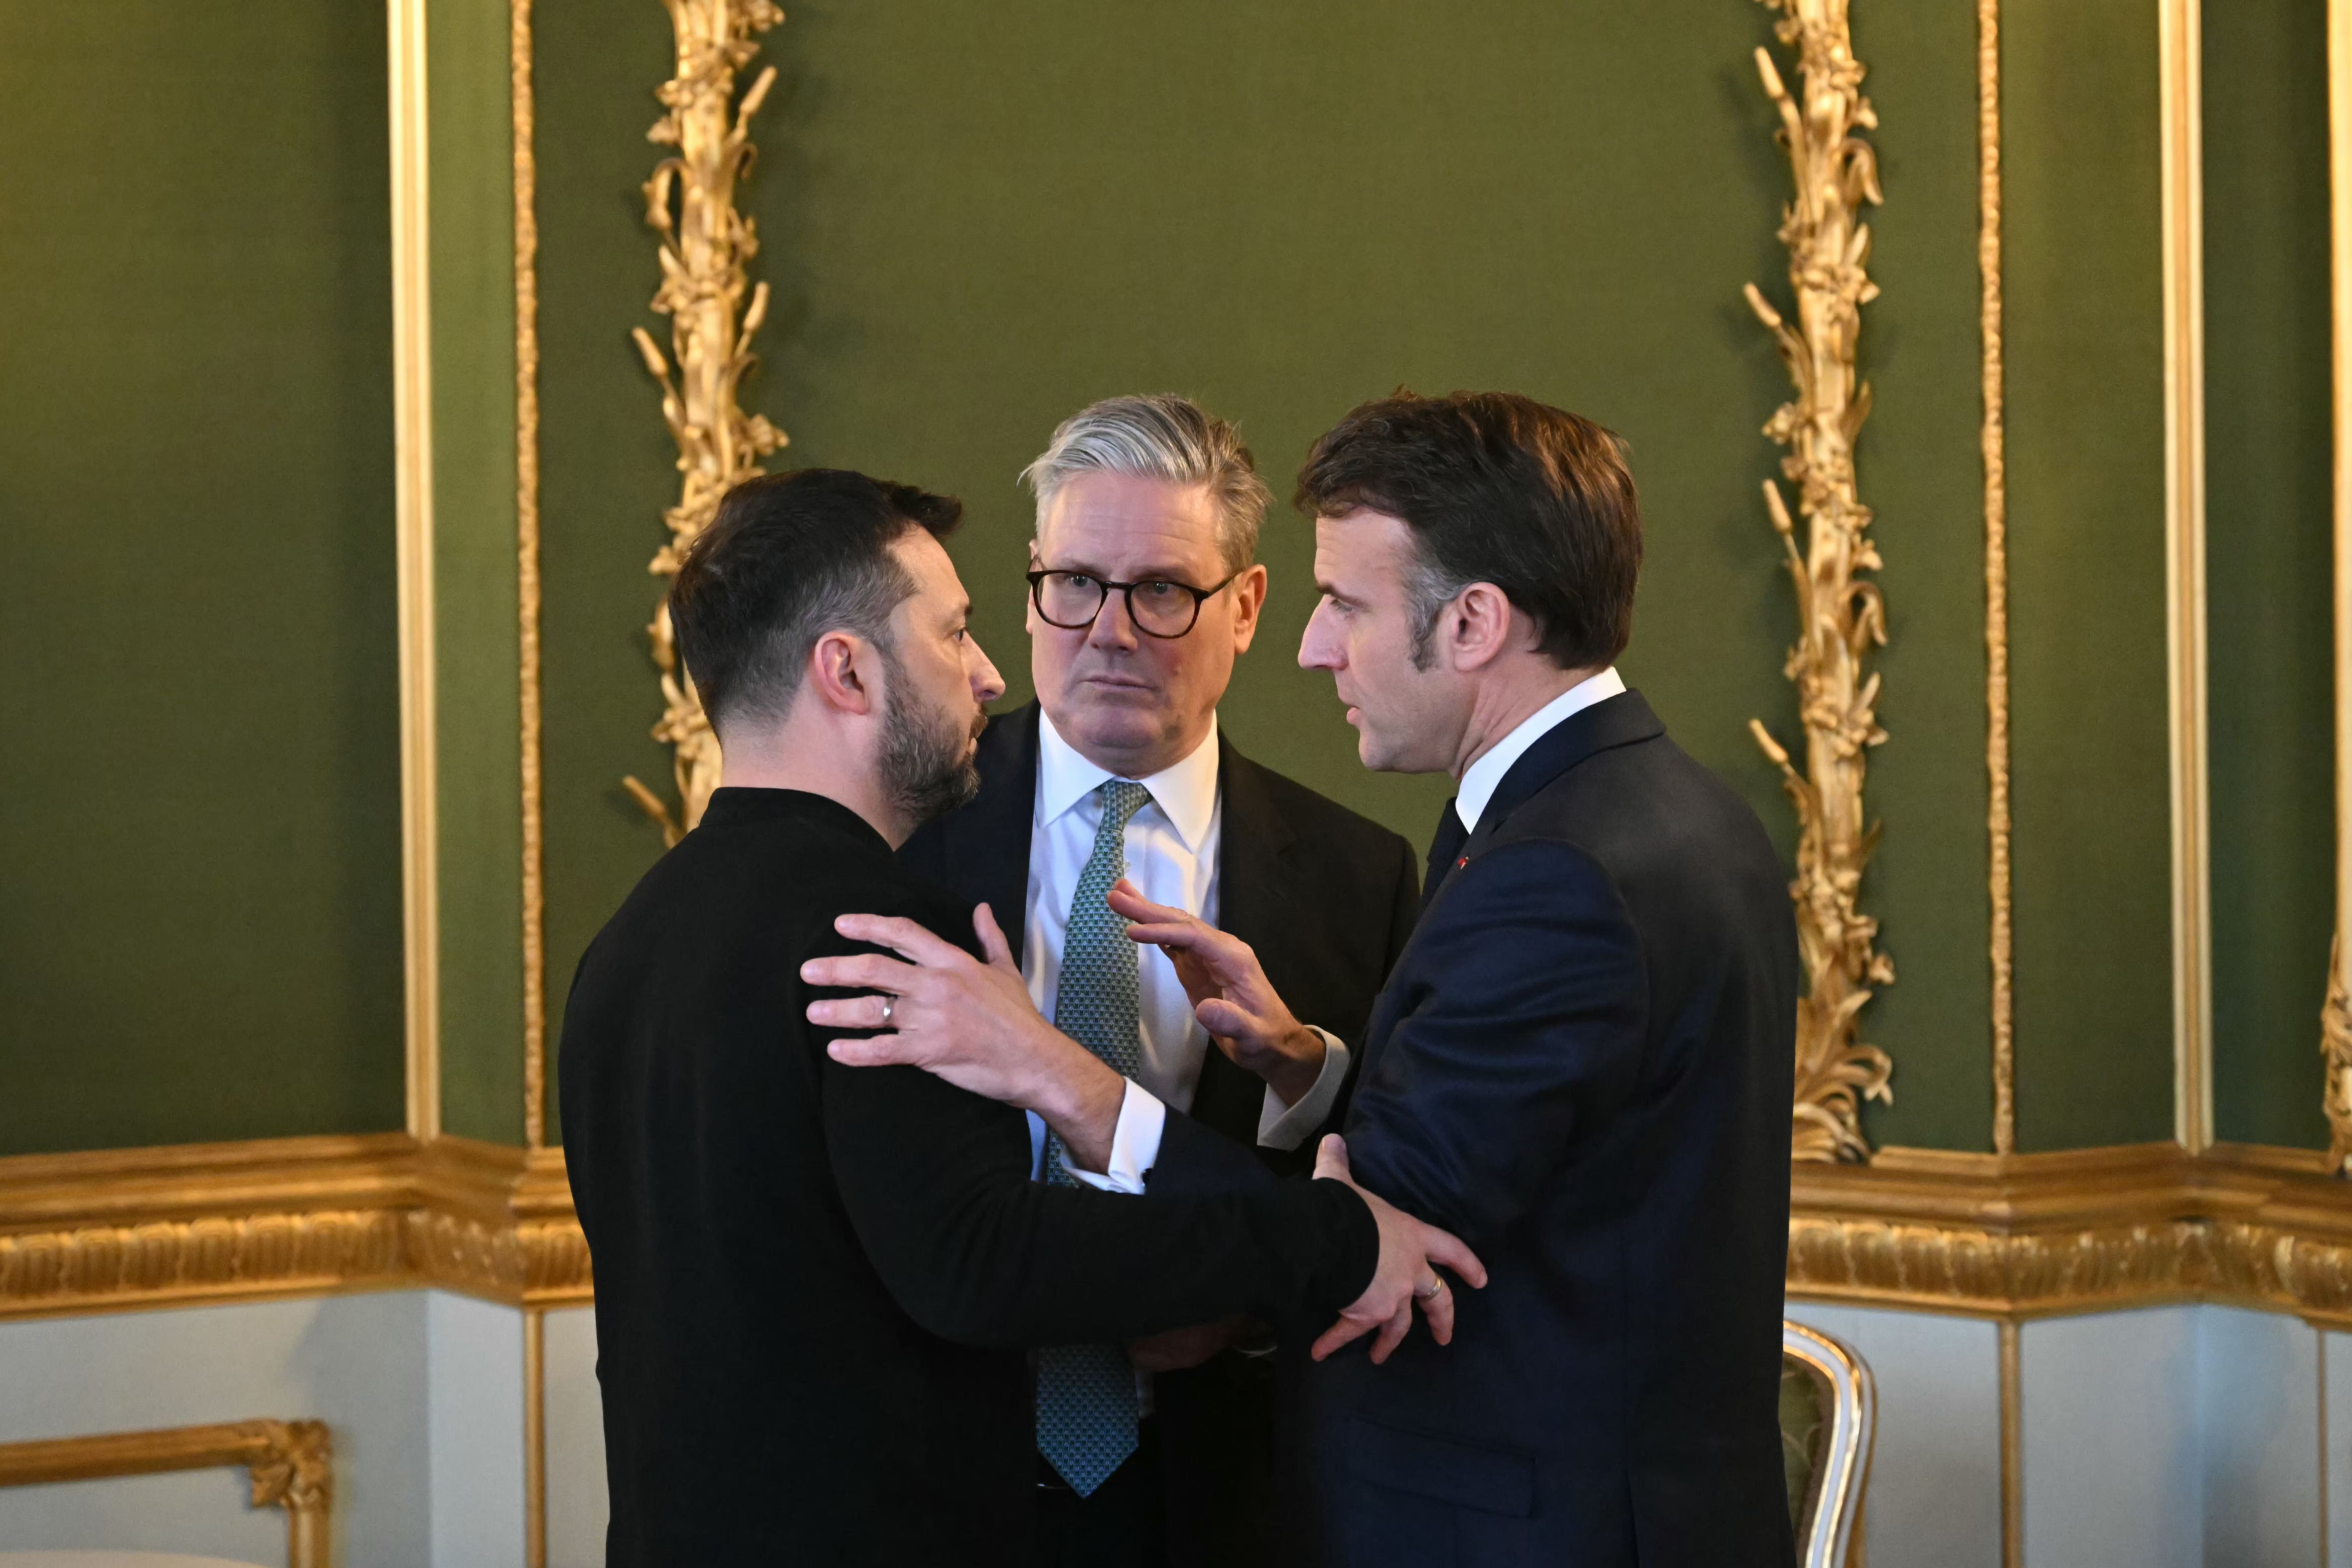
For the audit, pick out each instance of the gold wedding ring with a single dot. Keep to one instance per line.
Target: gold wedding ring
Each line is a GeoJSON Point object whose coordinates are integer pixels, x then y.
{"type": "Point", "coordinates": [1429, 1292]}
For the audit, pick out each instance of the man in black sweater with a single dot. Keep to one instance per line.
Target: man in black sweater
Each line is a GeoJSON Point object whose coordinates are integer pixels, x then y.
{"type": "Point", "coordinates": [812, 1280]}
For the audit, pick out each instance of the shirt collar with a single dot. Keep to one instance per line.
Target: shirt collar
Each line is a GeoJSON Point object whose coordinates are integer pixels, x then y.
{"type": "Point", "coordinates": [1483, 777]}
{"type": "Point", "coordinates": [1185, 792]}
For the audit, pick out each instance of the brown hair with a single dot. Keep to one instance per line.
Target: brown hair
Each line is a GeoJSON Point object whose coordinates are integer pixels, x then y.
{"type": "Point", "coordinates": [1496, 488]}
{"type": "Point", "coordinates": [788, 558]}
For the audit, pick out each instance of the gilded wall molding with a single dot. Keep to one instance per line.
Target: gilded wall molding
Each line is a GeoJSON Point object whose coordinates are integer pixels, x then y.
{"type": "Point", "coordinates": [706, 245]}
{"type": "Point", "coordinates": [527, 607]}
{"type": "Point", "coordinates": [412, 362]}
{"type": "Point", "coordinates": [1993, 444]}
{"type": "Point", "coordinates": [2179, 43]}
{"type": "Point", "coordinates": [296, 1216]}
{"type": "Point", "coordinates": [2006, 1237]}
{"type": "Point", "coordinates": [1841, 615]}
{"type": "Point", "coordinates": [2336, 1010]}
{"type": "Point", "coordinates": [288, 1465]}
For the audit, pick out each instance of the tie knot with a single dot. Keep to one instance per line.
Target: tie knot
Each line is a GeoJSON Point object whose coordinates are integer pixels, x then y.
{"type": "Point", "coordinates": [1121, 799]}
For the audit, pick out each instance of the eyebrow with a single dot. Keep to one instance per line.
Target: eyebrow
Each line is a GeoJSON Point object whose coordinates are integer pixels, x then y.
{"type": "Point", "coordinates": [1147, 575]}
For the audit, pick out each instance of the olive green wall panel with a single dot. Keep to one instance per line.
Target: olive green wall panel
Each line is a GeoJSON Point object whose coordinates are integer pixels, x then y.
{"type": "Point", "coordinates": [975, 219]}
{"type": "Point", "coordinates": [477, 695]}
{"type": "Point", "coordinates": [200, 932]}
{"type": "Point", "coordinates": [2268, 563]}
{"type": "Point", "coordinates": [2083, 275]}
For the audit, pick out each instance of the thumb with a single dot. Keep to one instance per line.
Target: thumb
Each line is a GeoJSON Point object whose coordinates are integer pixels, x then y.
{"type": "Point", "coordinates": [993, 945]}
{"type": "Point", "coordinates": [1331, 1159]}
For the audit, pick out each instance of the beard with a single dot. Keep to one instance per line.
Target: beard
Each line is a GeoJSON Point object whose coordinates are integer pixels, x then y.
{"type": "Point", "coordinates": [927, 761]}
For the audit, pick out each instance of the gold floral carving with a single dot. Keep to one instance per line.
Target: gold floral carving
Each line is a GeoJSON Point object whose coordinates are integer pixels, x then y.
{"type": "Point", "coordinates": [1841, 616]}
{"type": "Point", "coordinates": [706, 244]}
{"type": "Point", "coordinates": [289, 1463]}
{"type": "Point", "coordinates": [2335, 1048]}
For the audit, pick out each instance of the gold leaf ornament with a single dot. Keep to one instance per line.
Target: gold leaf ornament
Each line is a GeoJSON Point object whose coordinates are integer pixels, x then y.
{"type": "Point", "coordinates": [1841, 616]}
{"type": "Point", "coordinates": [706, 249]}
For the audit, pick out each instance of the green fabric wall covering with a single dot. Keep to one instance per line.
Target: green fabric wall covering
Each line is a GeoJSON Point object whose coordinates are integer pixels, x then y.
{"type": "Point", "coordinates": [977, 219]}
{"type": "Point", "coordinates": [2082, 277]}
{"type": "Point", "coordinates": [478, 692]}
{"type": "Point", "coordinates": [200, 936]}
{"type": "Point", "coordinates": [2268, 554]}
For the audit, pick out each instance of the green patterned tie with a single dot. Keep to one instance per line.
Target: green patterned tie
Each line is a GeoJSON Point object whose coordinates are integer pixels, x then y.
{"type": "Point", "coordinates": [1086, 1393]}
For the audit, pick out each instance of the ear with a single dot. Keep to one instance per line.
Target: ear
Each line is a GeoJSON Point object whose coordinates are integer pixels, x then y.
{"type": "Point", "coordinates": [1249, 601]}
{"type": "Point", "coordinates": [844, 673]}
{"type": "Point", "coordinates": [1476, 628]}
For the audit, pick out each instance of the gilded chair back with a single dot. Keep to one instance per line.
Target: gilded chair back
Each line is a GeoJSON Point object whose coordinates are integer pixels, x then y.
{"type": "Point", "coordinates": [1828, 1405]}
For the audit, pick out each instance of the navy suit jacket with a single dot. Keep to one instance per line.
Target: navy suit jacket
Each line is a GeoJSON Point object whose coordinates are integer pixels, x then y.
{"type": "Point", "coordinates": [1581, 1066]}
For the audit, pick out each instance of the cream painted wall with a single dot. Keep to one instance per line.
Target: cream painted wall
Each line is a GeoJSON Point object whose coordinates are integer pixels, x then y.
{"type": "Point", "coordinates": [423, 1392]}
{"type": "Point", "coordinates": [2177, 1436]}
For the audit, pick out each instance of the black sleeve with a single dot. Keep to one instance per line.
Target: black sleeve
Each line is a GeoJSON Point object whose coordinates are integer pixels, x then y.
{"type": "Point", "coordinates": [935, 1182]}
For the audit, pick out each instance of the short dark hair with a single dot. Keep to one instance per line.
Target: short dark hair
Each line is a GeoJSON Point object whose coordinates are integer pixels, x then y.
{"type": "Point", "coordinates": [788, 558]}
{"type": "Point", "coordinates": [1497, 488]}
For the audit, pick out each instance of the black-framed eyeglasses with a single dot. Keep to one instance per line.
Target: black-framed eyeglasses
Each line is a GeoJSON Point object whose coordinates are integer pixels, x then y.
{"type": "Point", "coordinates": [1158, 608]}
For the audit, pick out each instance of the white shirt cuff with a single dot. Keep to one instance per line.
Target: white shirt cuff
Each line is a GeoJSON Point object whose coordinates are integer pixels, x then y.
{"type": "Point", "coordinates": [1281, 1126]}
{"type": "Point", "coordinates": [1135, 1146]}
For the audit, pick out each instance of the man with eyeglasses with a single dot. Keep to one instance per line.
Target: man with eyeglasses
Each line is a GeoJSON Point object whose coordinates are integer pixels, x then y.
{"type": "Point", "coordinates": [1143, 590]}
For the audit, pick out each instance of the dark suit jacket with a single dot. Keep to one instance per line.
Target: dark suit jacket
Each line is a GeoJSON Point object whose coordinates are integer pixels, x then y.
{"type": "Point", "coordinates": [810, 1279]}
{"type": "Point", "coordinates": [1581, 1066]}
{"type": "Point", "coordinates": [1327, 897]}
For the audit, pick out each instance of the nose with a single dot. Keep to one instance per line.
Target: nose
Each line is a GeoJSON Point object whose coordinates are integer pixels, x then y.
{"type": "Point", "coordinates": [1112, 629]}
{"type": "Point", "coordinates": [1318, 648]}
{"type": "Point", "coordinates": [987, 685]}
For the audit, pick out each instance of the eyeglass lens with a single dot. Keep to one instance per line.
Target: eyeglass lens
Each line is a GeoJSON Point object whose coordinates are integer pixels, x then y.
{"type": "Point", "coordinates": [1073, 599]}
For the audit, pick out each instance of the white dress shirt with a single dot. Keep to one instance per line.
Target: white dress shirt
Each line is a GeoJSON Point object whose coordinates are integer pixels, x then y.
{"type": "Point", "coordinates": [1483, 777]}
{"type": "Point", "coordinates": [1172, 855]}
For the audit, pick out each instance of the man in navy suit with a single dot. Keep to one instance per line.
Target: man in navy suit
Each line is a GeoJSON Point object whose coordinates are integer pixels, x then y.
{"type": "Point", "coordinates": [1581, 1061]}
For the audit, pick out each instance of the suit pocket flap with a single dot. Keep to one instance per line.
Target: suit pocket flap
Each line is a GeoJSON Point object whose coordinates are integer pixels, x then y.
{"type": "Point", "coordinates": [1492, 1480]}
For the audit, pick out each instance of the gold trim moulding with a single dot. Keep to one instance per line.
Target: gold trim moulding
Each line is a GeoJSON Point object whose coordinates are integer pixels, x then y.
{"type": "Point", "coordinates": [289, 1464]}
{"type": "Point", "coordinates": [295, 1216]}
{"type": "Point", "coordinates": [2002, 1235]}
{"type": "Point", "coordinates": [2026, 1236]}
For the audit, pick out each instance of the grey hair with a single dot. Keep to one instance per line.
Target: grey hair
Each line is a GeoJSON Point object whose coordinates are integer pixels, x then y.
{"type": "Point", "coordinates": [1161, 436]}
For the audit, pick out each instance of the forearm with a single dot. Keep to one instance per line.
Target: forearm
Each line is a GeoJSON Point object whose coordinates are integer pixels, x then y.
{"type": "Point", "coordinates": [1079, 1096]}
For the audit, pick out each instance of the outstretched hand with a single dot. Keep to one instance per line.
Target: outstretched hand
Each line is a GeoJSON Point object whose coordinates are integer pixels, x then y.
{"type": "Point", "coordinates": [1230, 993]}
{"type": "Point", "coordinates": [1410, 1250]}
{"type": "Point", "coordinates": [969, 1022]}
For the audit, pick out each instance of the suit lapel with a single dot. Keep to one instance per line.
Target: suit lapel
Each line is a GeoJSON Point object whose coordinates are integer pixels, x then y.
{"type": "Point", "coordinates": [1619, 721]}
{"type": "Point", "coordinates": [1255, 894]}
{"type": "Point", "coordinates": [1614, 721]}
{"type": "Point", "coordinates": [990, 836]}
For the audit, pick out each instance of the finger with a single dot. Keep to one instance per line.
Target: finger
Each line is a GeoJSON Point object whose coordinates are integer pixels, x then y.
{"type": "Point", "coordinates": [861, 971]}
{"type": "Point", "coordinates": [1392, 1333]}
{"type": "Point", "coordinates": [1445, 1246]}
{"type": "Point", "coordinates": [1439, 1310]}
{"type": "Point", "coordinates": [1184, 937]}
{"type": "Point", "coordinates": [993, 945]}
{"type": "Point", "coordinates": [1332, 1158]}
{"type": "Point", "coordinates": [1128, 900]}
{"type": "Point", "coordinates": [853, 1012]}
{"type": "Point", "coordinates": [905, 937]}
{"type": "Point", "coordinates": [872, 1051]}
{"type": "Point", "coordinates": [1226, 1021]}
{"type": "Point", "coordinates": [1344, 1331]}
